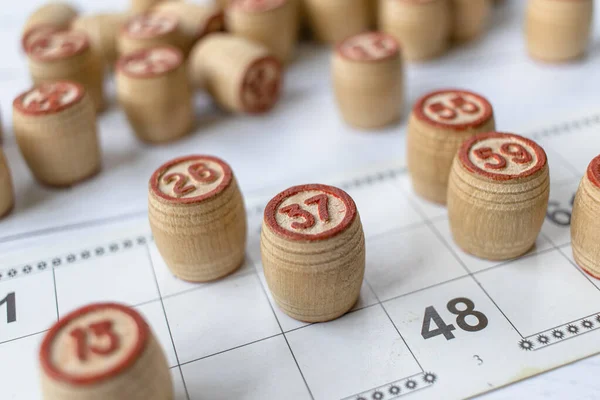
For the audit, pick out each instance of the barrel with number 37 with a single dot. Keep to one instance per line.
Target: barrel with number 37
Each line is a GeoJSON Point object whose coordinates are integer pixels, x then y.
{"type": "Point", "coordinates": [498, 195]}
{"type": "Point", "coordinates": [313, 252]}
{"type": "Point", "coordinates": [198, 218]}
{"type": "Point", "coordinates": [103, 351]}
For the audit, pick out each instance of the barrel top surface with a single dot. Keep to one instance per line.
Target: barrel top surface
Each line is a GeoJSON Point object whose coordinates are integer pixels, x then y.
{"type": "Point", "coordinates": [93, 344]}
{"type": "Point", "coordinates": [593, 172]}
{"type": "Point", "coordinates": [52, 45]}
{"type": "Point", "coordinates": [310, 212]}
{"type": "Point", "coordinates": [150, 25]}
{"type": "Point", "coordinates": [453, 109]}
{"type": "Point", "coordinates": [191, 179]}
{"type": "Point", "coordinates": [256, 6]}
{"type": "Point", "coordinates": [49, 98]}
{"type": "Point", "coordinates": [502, 156]}
{"type": "Point", "coordinates": [261, 86]}
{"type": "Point", "coordinates": [149, 63]}
{"type": "Point", "coordinates": [369, 47]}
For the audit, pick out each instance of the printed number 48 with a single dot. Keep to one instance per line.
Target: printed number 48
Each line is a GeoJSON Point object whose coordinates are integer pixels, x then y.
{"type": "Point", "coordinates": [431, 315]}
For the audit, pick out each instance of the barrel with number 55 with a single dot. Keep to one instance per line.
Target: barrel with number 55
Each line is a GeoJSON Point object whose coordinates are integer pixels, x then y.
{"type": "Point", "coordinates": [498, 195]}
{"type": "Point", "coordinates": [198, 218]}
{"type": "Point", "coordinates": [313, 252]}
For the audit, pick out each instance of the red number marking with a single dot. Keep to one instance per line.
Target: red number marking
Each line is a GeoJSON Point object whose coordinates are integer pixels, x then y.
{"type": "Point", "coordinates": [180, 187]}
{"type": "Point", "coordinates": [202, 173]}
{"type": "Point", "coordinates": [323, 205]}
{"type": "Point", "coordinates": [262, 85]}
{"type": "Point", "coordinates": [485, 153]}
{"type": "Point", "coordinates": [519, 153]}
{"type": "Point", "coordinates": [47, 95]}
{"type": "Point", "coordinates": [294, 211]}
{"type": "Point", "coordinates": [464, 105]}
{"type": "Point", "coordinates": [443, 111]}
{"type": "Point", "coordinates": [99, 329]}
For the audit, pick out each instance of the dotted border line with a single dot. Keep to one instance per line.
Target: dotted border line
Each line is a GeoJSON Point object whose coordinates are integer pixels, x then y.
{"type": "Point", "coordinates": [399, 388]}
{"type": "Point", "coordinates": [71, 258]}
{"type": "Point", "coordinates": [567, 127]}
{"type": "Point", "coordinates": [560, 333]}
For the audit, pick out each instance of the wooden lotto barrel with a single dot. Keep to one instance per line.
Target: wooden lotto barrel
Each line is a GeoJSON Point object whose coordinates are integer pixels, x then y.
{"type": "Point", "coordinates": [241, 76]}
{"type": "Point", "coordinates": [439, 123]}
{"type": "Point", "coordinates": [367, 72]}
{"type": "Point", "coordinates": [470, 18]}
{"type": "Point", "coordinates": [558, 30]}
{"type": "Point", "coordinates": [55, 128]}
{"type": "Point", "coordinates": [422, 27]}
{"type": "Point", "coordinates": [313, 252]}
{"type": "Point", "coordinates": [195, 20]}
{"type": "Point", "coordinates": [498, 195]}
{"type": "Point", "coordinates": [197, 216]}
{"type": "Point", "coordinates": [274, 23]}
{"type": "Point", "coordinates": [585, 221]}
{"type": "Point", "coordinates": [7, 197]}
{"type": "Point", "coordinates": [102, 31]}
{"type": "Point", "coordinates": [103, 351]}
{"type": "Point", "coordinates": [153, 89]}
{"type": "Point", "coordinates": [334, 20]}
{"type": "Point", "coordinates": [149, 30]}
{"type": "Point", "coordinates": [67, 55]}
{"type": "Point", "coordinates": [54, 14]}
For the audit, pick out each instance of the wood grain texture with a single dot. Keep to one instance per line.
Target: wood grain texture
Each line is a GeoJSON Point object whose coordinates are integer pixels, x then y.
{"type": "Point", "coordinates": [55, 14]}
{"type": "Point", "coordinates": [201, 240]}
{"type": "Point", "coordinates": [102, 31]}
{"type": "Point", "coordinates": [585, 221]}
{"type": "Point", "coordinates": [368, 80]}
{"type": "Point", "coordinates": [143, 374]}
{"type": "Point", "coordinates": [240, 75]}
{"type": "Point", "coordinates": [61, 148]}
{"type": "Point", "coordinates": [493, 214]}
{"type": "Point", "coordinates": [142, 6]}
{"type": "Point", "coordinates": [149, 30]}
{"type": "Point", "coordinates": [158, 106]}
{"type": "Point", "coordinates": [84, 67]}
{"type": "Point", "coordinates": [334, 20]}
{"type": "Point", "coordinates": [422, 28]}
{"type": "Point", "coordinates": [275, 27]}
{"type": "Point", "coordinates": [558, 30]}
{"type": "Point", "coordinates": [195, 20]}
{"type": "Point", "coordinates": [431, 144]}
{"type": "Point", "coordinates": [470, 18]}
{"type": "Point", "coordinates": [7, 197]}
{"type": "Point", "coordinates": [315, 279]}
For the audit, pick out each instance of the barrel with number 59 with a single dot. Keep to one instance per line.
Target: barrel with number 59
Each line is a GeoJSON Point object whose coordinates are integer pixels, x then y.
{"type": "Point", "coordinates": [498, 193]}
{"type": "Point", "coordinates": [198, 218]}
{"type": "Point", "coordinates": [313, 252]}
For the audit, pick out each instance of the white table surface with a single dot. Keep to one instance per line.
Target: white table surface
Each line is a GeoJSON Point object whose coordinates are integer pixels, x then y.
{"type": "Point", "coordinates": [264, 151]}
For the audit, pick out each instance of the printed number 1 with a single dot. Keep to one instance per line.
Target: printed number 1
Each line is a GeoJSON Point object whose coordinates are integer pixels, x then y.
{"type": "Point", "coordinates": [431, 314]}
{"type": "Point", "coordinates": [11, 307]}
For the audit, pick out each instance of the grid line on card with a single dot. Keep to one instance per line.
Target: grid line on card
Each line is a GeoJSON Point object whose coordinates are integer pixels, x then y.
{"type": "Point", "coordinates": [162, 305]}
{"type": "Point", "coordinates": [460, 261]}
{"type": "Point", "coordinates": [394, 325]}
{"type": "Point", "coordinates": [587, 276]}
{"type": "Point", "coordinates": [282, 332]}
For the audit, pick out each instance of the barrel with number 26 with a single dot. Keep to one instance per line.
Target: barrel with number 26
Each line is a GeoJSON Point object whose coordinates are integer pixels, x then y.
{"type": "Point", "coordinates": [198, 218]}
